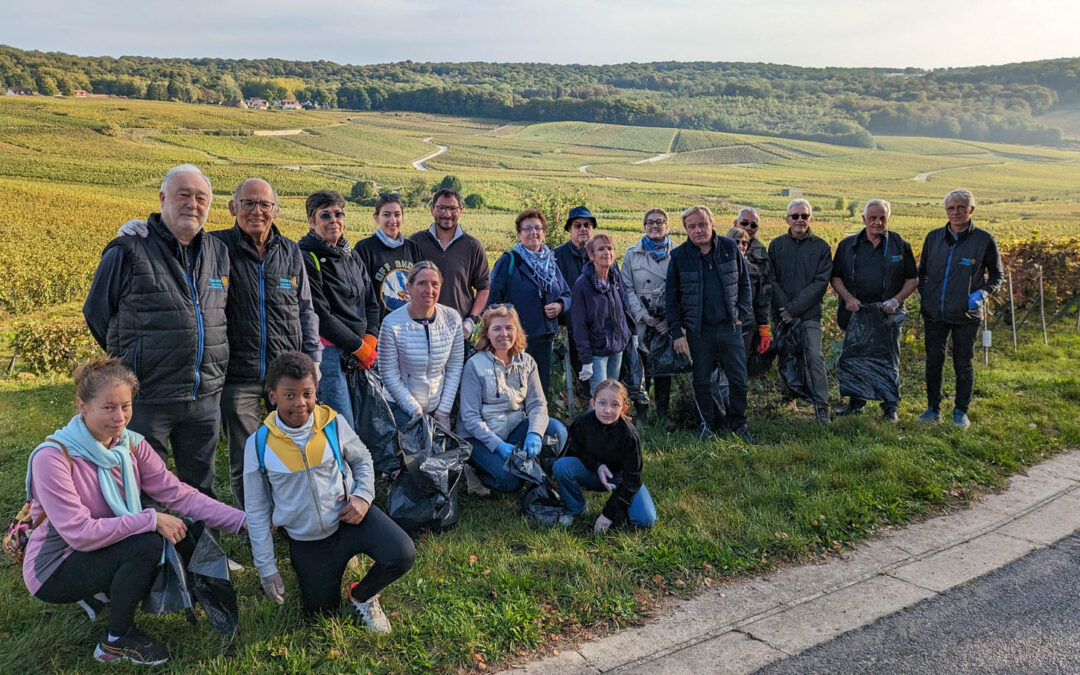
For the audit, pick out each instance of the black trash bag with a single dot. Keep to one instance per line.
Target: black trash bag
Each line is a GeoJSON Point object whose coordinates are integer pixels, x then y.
{"type": "Point", "coordinates": [542, 504]}
{"type": "Point", "coordinates": [549, 452]}
{"type": "Point", "coordinates": [373, 420]}
{"type": "Point", "coordinates": [524, 467]}
{"type": "Point", "coordinates": [169, 592]}
{"type": "Point", "coordinates": [869, 366]}
{"type": "Point", "coordinates": [663, 359]}
{"type": "Point", "coordinates": [424, 496]}
{"type": "Point", "coordinates": [790, 346]}
{"type": "Point", "coordinates": [759, 364]}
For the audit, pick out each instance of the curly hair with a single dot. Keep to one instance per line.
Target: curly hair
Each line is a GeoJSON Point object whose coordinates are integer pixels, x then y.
{"type": "Point", "coordinates": [296, 365]}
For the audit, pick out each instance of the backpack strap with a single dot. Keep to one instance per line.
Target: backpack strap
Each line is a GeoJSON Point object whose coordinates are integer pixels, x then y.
{"type": "Point", "coordinates": [41, 518]}
{"type": "Point", "coordinates": [63, 449]}
{"type": "Point", "coordinates": [330, 430]}
{"type": "Point", "coordinates": [510, 267]}
{"type": "Point", "coordinates": [260, 447]}
{"type": "Point", "coordinates": [316, 259]}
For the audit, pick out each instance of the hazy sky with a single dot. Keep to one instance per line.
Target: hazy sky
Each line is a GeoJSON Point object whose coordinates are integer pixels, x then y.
{"type": "Point", "coordinates": [923, 33]}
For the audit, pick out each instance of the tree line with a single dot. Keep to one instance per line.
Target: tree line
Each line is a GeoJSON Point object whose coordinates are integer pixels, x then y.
{"type": "Point", "coordinates": [837, 105]}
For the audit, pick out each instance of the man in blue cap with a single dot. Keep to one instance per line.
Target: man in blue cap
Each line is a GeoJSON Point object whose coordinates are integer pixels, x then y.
{"type": "Point", "coordinates": [571, 258]}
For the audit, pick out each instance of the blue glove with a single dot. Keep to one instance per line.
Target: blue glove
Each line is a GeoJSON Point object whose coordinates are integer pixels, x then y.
{"type": "Point", "coordinates": [532, 444]}
{"type": "Point", "coordinates": [975, 299]}
{"type": "Point", "coordinates": [505, 449]}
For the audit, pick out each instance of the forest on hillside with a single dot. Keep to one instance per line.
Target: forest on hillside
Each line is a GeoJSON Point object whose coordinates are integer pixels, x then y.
{"type": "Point", "coordinates": [836, 105]}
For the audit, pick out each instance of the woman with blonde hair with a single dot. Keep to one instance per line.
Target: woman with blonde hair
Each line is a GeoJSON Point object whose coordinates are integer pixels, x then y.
{"type": "Point", "coordinates": [502, 400]}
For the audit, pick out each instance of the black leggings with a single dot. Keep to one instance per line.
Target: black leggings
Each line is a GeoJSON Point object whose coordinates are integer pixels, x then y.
{"type": "Point", "coordinates": [320, 564]}
{"type": "Point", "coordinates": [124, 571]}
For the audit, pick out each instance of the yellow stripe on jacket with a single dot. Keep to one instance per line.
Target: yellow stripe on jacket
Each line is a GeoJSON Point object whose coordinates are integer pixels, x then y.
{"type": "Point", "coordinates": [287, 451]}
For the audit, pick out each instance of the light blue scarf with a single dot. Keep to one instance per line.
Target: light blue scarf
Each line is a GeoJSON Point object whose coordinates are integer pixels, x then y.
{"type": "Point", "coordinates": [81, 443]}
{"type": "Point", "coordinates": [390, 243]}
{"type": "Point", "coordinates": [541, 262]}
{"type": "Point", "coordinates": [657, 249]}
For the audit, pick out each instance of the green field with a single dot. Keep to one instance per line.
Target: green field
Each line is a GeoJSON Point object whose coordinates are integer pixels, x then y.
{"type": "Point", "coordinates": [72, 171]}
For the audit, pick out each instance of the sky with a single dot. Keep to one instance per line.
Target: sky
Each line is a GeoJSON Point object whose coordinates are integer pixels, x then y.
{"type": "Point", "coordinates": [883, 33]}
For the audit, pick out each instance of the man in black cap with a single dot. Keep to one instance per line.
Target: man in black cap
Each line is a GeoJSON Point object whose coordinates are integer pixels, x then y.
{"type": "Point", "coordinates": [571, 258]}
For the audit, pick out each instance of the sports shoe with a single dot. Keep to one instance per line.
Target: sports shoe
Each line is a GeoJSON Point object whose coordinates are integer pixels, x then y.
{"type": "Point", "coordinates": [134, 646]}
{"type": "Point", "coordinates": [566, 519]}
{"type": "Point", "coordinates": [744, 434]}
{"type": "Point", "coordinates": [930, 415]}
{"type": "Point", "coordinates": [960, 419]}
{"type": "Point", "coordinates": [850, 408]}
{"type": "Point", "coordinates": [889, 415]}
{"type": "Point", "coordinates": [370, 612]}
{"type": "Point", "coordinates": [821, 415]}
{"type": "Point", "coordinates": [473, 484]}
{"type": "Point", "coordinates": [234, 566]}
{"type": "Point", "coordinates": [94, 605]}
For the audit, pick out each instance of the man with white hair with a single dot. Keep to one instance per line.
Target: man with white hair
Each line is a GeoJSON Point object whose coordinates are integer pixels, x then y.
{"type": "Point", "coordinates": [158, 304]}
{"type": "Point", "coordinates": [801, 267]}
{"type": "Point", "coordinates": [873, 267]}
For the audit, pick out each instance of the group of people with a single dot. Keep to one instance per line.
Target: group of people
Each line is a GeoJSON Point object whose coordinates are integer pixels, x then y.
{"type": "Point", "coordinates": [211, 327]}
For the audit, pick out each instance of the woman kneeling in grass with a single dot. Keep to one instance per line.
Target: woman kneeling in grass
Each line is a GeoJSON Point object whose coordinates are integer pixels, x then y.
{"type": "Point", "coordinates": [306, 471]}
{"type": "Point", "coordinates": [97, 539]}
{"type": "Point", "coordinates": [604, 453]}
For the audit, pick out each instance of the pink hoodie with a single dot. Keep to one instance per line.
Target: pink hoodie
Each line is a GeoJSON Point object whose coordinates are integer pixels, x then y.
{"type": "Point", "coordinates": [79, 518]}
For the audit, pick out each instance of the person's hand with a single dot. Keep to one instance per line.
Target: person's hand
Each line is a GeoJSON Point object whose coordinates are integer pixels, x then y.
{"type": "Point", "coordinates": [134, 228]}
{"type": "Point", "coordinates": [354, 510]}
{"type": "Point", "coordinates": [682, 346]}
{"type": "Point", "coordinates": [976, 299]}
{"type": "Point", "coordinates": [505, 449]}
{"type": "Point", "coordinates": [890, 306]}
{"type": "Point", "coordinates": [318, 372]}
{"type": "Point", "coordinates": [274, 587]}
{"type": "Point", "coordinates": [602, 524]}
{"type": "Point", "coordinates": [662, 327]}
{"type": "Point", "coordinates": [170, 527]}
{"type": "Point", "coordinates": [785, 316]}
{"type": "Point", "coordinates": [532, 444]}
{"type": "Point", "coordinates": [651, 320]}
{"type": "Point", "coordinates": [467, 327]}
{"type": "Point", "coordinates": [366, 354]}
{"type": "Point", "coordinates": [606, 477]}
{"type": "Point", "coordinates": [852, 304]}
{"type": "Point", "coordinates": [552, 310]}
{"type": "Point", "coordinates": [765, 333]}
{"type": "Point", "coordinates": [442, 418]}
{"type": "Point", "coordinates": [586, 372]}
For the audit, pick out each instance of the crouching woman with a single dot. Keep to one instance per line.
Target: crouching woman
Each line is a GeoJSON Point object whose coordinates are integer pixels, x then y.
{"type": "Point", "coordinates": [305, 471]}
{"type": "Point", "coordinates": [93, 535]}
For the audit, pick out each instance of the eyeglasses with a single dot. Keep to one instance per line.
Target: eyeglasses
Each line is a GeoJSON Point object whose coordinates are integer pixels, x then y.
{"type": "Point", "coordinates": [249, 204]}
{"type": "Point", "coordinates": [447, 209]}
{"type": "Point", "coordinates": [957, 208]}
{"type": "Point", "coordinates": [752, 224]}
{"type": "Point", "coordinates": [394, 196]}
{"type": "Point", "coordinates": [532, 228]}
{"type": "Point", "coordinates": [799, 216]}
{"type": "Point", "coordinates": [656, 222]}
{"type": "Point", "coordinates": [500, 305]}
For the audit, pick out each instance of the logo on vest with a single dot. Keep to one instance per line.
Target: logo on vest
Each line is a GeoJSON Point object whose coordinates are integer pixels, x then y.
{"type": "Point", "coordinates": [287, 283]}
{"type": "Point", "coordinates": [219, 283]}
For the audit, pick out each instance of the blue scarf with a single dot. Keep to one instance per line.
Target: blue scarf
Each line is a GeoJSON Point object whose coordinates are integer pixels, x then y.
{"type": "Point", "coordinates": [541, 262]}
{"type": "Point", "coordinates": [657, 249]}
{"type": "Point", "coordinates": [81, 443]}
{"type": "Point", "coordinates": [387, 241]}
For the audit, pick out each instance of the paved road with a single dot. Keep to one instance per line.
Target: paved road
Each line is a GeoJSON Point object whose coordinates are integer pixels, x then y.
{"type": "Point", "coordinates": [1021, 618]}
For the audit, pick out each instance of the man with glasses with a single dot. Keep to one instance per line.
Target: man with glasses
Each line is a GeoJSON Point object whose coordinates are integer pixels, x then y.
{"type": "Point", "coordinates": [959, 267]}
{"type": "Point", "coordinates": [875, 266]}
{"type": "Point", "coordinates": [269, 311]}
{"type": "Point", "coordinates": [757, 262]}
{"type": "Point", "coordinates": [158, 304]}
{"type": "Point", "coordinates": [802, 266]}
{"type": "Point", "coordinates": [461, 258]}
{"type": "Point", "coordinates": [571, 257]}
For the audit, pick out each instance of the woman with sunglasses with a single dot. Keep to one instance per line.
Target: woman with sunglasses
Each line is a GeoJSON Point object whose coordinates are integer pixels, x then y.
{"type": "Point", "coordinates": [528, 278]}
{"type": "Point", "coordinates": [644, 276]}
{"type": "Point", "coordinates": [388, 254]}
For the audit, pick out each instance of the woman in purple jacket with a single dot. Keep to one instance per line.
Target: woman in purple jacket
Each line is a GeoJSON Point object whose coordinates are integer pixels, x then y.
{"type": "Point", "coordinates": [97, 539]}
{"type": "Point", "coordinates": [598, 314]}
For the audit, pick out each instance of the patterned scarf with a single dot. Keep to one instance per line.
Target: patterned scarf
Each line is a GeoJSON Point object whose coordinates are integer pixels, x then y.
{"type": "Point", "coordinates": [541, 262]}
{"type": "Point", "coordinates": [657, 249]}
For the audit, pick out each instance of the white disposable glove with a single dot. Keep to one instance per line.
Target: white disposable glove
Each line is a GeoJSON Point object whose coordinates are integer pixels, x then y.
{"type": "Point", "coordinates": [442, 418]}
{"type": "Point", "coordinates": [318, 372]}
{"type": "Point", "coordinates": [602, 524]}
{"type": "Point", "coordinates": [274, 587]}
{"type": "Point", "coordinates": [890, 306]}
{"type": "Point", "coordinates": [133, 228]}
{"type": "Point", "coordinates": [586, 372]}
{"type": "Point", "coordinates": [467, 327]}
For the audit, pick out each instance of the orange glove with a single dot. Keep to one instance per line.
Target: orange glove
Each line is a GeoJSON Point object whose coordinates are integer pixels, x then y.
{"type": "Point", "coordinates": [367, 354]}
{"type": "Point", "coordinates": [766, 339]}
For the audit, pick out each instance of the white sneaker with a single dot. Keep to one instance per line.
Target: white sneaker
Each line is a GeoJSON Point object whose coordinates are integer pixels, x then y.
{"type": "Point", "coordinates": [370, 613]}
{"type": "Point", "coordinates": [234, 566]}
{"type": "Point", "coordinates": [566, 519]}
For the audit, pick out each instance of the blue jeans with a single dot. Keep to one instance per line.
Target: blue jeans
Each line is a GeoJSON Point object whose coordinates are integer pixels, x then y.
{"type": "Point", "coordinates": [572, 476]}
{"type": "Point", "coordinates": [333, 389]}
{"type": "Point", "coordinates": [490, 465]}
{"type": "Point", "coordinates": [604, 368]}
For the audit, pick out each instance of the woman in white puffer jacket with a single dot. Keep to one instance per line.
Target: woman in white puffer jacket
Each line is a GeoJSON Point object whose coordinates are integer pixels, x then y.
{"type": "Point", "coordinates": [421, 352]}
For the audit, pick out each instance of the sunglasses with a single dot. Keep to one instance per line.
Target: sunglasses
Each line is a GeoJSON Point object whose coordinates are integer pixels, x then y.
{"type": "Point", "coordinates": [394, 196]}
{"type": "Point", "coordinates": [799, 216]}
{"type": "Point", "coordinates": [752, 224]}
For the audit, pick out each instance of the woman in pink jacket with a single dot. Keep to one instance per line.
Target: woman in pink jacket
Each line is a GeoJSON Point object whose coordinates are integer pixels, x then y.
{"type": "Point", "coordinates": [96, 537]}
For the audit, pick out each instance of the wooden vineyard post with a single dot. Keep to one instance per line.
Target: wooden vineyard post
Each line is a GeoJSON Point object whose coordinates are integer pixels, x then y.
{"type": "Point", "coordinates": [1042, 307]}
{"type": "Point", "coordinates": [1012, 308]}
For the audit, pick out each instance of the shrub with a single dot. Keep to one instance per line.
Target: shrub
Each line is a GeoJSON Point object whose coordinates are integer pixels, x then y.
{"type": "Point", "coordinates": [56, 346]}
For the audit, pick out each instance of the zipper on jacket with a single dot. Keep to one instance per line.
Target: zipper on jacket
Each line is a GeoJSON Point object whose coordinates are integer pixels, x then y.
{"type": "Point", "coordinates": [311, 485]}
{"type": "Point", "coordinates": [198, 324]}
{"type": "Point", "coordinates": [948, 267]}
{"type": "Point", "coordinates": [262, 320]}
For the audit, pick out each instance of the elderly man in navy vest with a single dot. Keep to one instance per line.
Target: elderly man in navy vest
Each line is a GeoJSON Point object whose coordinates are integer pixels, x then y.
{"type": "Point", "coordinates": [158, 304]}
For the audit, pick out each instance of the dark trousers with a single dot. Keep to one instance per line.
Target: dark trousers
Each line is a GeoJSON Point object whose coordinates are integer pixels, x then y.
{"type": "Point", "coordinates": [241, 415]}
{"type": "Point", "coordinates": [540, 349]}
{"type": "Point", "coordinates": [581, 387]}
{"type": "Point", "coordinates": [321, 564]}
{"type": "Point", "coordinates": [719, 347]}
{"type": "Point", "coordinates": [124, 571]}
{"type": "Point", "coordinates": [190, 428]}
{"type": "Point", "coordinates": [963, 351]}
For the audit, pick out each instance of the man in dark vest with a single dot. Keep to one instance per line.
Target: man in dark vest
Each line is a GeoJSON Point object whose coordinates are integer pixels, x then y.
{"type": "Point", "coordinates": [875, 266]}
{"type": "Point", "coordinates": [570, 257]}
{"type": "Point", "coordinates": [158, 304]}
{"type": "Point", "coordinates": [959, 267]}
{"type": "Point", "coordinates": [707, 299]}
